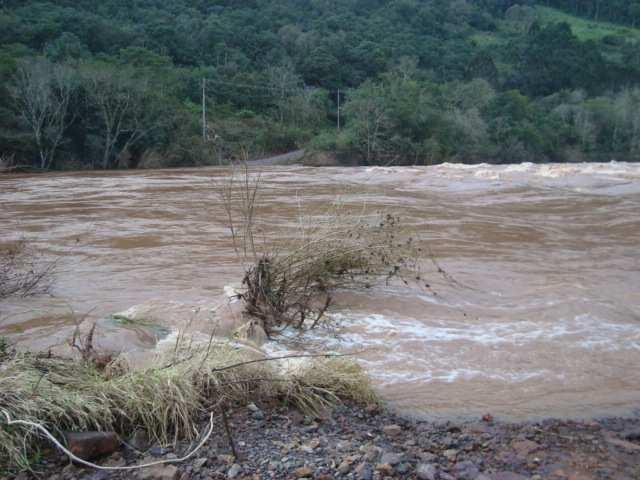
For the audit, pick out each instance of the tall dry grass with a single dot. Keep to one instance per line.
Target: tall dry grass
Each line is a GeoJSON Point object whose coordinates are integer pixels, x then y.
{"type": "Point", "coordinates": [168, 400]}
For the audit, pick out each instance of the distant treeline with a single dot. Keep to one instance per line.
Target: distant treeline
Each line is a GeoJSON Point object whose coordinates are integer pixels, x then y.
{"type": "Point", "coordinates": [621, 11]}
{"type": "Point", "coordinates": [119, 84]}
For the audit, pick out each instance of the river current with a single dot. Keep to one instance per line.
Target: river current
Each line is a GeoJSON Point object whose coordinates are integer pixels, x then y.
{"type": "Point", "coordinates": [543, 318]}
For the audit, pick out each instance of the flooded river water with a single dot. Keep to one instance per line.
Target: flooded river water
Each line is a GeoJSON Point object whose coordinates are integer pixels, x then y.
{"type": "Point", "coordinates": [543, 319]}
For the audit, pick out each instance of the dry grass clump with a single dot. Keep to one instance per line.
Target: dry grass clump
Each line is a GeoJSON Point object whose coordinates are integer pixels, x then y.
{"type": "Point", "coordinates": [167, 401]}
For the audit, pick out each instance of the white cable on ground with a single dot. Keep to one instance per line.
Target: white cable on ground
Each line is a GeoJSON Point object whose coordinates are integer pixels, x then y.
{"type": "Point", "coordinates": [93, 465]}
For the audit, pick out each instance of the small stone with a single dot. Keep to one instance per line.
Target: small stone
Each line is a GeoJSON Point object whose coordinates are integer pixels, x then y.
{"type": "Point", "coordinates": [159, 472]}
{"type": "Point", "coordinates": [228, 459]}
{"type": "Point", "coordinates": [199, 463]}
{"type": "Point", "coordinates": [99, 475]}
{"type": "Point", "coordinates": [507, 476]}
{"type": "Point", "coordinates": [487, 417]}
{"type": "Point", "coordinates": [364, 471]}
{"type": "Point", "coordinates": [392, 459]}
{"type": "Point", "coordinates": [524, 447]}
{"type": "Point", "coordinates": [466, 471]}
{"type": "Point", "coordinates": [403, 468]}
{"type": "Point", "coordinates": [234, 471]}
{"type": "Point", "coordinates": [343, 445]}
{"type": "Point", "coordinates": [303, 472]}
{"type": "Point", "coordinates": [426, 471]}
{"type": "Point", "coordinates": [427, 457]}
{"type": "Point", "coordinates": [623, 444]}
{"type": "Point", "coordinates": [158, 451]}
{"type": "Point", "coordinates": [392, 430]}
{"type": "Point", "coordinates": [344, 467]}
{"type": "Point", "coordinates": [371, 453]}
{"type": "Point", "coordinates": [306, 448]}
{"type": "Point", "coordinates": [253, 407]}
{"type": "Point", "coordinates": [373, 409]}
{"type": "Point", "coordinates": [384, 469]}
{"type": "Point", "coordinates": [450, 455]}
{"type": "Point", "coordinates": [258, 415]}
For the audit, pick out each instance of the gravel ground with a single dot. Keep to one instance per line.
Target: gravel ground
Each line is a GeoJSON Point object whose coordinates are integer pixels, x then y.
{"type": "Point", "coordinates": [367, 443]}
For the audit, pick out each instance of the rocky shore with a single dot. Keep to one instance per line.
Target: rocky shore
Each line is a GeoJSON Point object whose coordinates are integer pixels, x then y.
{"type": "Point", "coordinates": [358, 443]}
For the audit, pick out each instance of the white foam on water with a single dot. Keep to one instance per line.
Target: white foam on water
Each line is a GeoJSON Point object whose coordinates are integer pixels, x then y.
{"type": "Point", "coordinates": [412, 350]}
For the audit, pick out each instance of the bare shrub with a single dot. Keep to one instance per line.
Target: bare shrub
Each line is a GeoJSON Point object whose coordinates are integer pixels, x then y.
{"type": "Point", "coordinates": [22, 272]}
{"type": "Point", "coordinates": [292, 283]}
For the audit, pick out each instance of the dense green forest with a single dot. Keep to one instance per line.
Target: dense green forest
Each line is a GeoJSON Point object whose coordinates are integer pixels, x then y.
{"type": "Point", "coordinates": [119, 84]}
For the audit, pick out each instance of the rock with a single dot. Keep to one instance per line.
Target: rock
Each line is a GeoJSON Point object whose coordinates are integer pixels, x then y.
{"type": "Point", "coordinates": [199, 463]}
{"type": "Point", "coordinates": [466, 471]}
{"type": "Point", "coordinates": [623, 444]}
{"type": "Point", "coordinates": [507, 476]}
{"type": "Point", "coordinates": [99, 475]}
{"type": "Point", "coordinates": [234, 471]}
{"type": "Point", "coordinates": [159, 472]}
{"type": "Point", "coordinates": [364, 471]}
{"type": "Point", "coordinates": [228, 459]}
{"type": "Point", "coordinates": [306, 448]}
{"type": "Point", "coordinates": [344, 467]}
{"type": "Point", "coordinates": [373, 409]}
{"type": "Point", "coordinates": [632, 435]}
{"type": "Point", "coordinates": [426, 471]}
{"type": "Point", "coordinates": [392, 430]}
{"type": "Point", "coordinates": [343, 445]}
{"type": "Point", "coordinates": [158, 451]}
{"type": "Point", "coordinates": [392, 459]}
{"type": "Point", "coordinates": [384, 469]}
{"type": "Point", "coordinates": [427, 457]}
{"type": "Point", "coordinates": [91, 445]}
{"type": "Point", "coordinates": [524, 447]}
{"type": "Point", "coordinates": [403, 468]}
{"type": "Point", "coordinates": [371, 453]}
{"type": "Point", "coordinates": [303, 472]}
{"type": "Point", "coordinates": [450, 454]}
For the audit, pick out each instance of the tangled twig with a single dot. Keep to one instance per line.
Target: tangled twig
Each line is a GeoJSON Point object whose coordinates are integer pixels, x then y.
{"type": "Point", "coordinates": [77, 459]}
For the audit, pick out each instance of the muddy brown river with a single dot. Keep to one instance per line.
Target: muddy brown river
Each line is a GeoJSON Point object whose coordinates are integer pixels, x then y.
{"type": "Point", "coordinates": [543, 318]}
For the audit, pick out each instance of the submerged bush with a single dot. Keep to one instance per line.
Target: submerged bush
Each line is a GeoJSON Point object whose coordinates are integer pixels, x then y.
{"type": "Point", "coordinates": [292, 282]}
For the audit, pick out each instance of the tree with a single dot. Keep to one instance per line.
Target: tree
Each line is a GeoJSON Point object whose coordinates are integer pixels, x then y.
{"type": "Point", "coordinates": [43, 92]}
{"type": "Point", "coordinates": [367, 113]}
{"type": "Point", "coordinates": [283, 81]}
{"type": "Point", "coordinates": [120, 101]}
{"type": "Point", "coordinates": [554, 59]}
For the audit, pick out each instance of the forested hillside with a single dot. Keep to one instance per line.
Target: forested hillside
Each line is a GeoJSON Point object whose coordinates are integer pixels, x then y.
{"type": "Point", "coordinates": [119, 83]}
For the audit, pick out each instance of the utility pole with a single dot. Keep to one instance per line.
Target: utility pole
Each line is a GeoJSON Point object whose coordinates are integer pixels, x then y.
{"type": "Point", "coordinates": [338, 109]}
{"type": "Point", "coordinates": [204, 111]}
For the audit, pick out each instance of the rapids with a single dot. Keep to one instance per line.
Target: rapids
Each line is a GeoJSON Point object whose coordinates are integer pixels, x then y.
{"type": "Point", "coordinates": [543, 318]}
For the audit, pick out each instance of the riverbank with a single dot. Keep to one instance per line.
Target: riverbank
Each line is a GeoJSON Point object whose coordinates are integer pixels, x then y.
{"type": "Point", "coordinates": [354, 442]}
